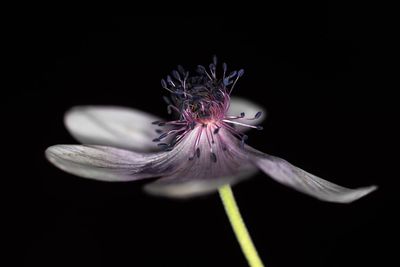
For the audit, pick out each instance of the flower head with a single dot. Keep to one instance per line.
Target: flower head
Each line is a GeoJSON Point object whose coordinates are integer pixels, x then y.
{"type": "Point", "coordinates": [197, 152]}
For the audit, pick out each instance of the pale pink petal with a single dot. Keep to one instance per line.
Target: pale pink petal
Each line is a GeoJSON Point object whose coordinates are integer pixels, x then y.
{"type": "Point", "coordinates": [112, 126]}
{"type": "Point", "coordinates": [193, 184]}
{"type": "Point", "coordinates": [107, 163]}
{"type": "Point", "coordinates": [300, 180]}
{"type": "Point", "coordinates": [202, 174]}
{"type": "Point", "coordinates": [239, 105]}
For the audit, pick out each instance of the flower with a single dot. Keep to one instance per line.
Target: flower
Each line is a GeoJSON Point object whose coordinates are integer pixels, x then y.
{"type": "Point", "coordinates": [200, 150]}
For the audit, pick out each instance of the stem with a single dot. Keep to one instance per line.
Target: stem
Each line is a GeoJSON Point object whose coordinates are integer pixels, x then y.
{"type": "Point", "coordinates": [241, 232]}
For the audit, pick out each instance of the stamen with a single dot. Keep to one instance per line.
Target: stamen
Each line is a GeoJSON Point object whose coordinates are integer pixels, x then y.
{"type": "Point", "coordinates": [198, 138]}
{"type": "Point", "coordinates": [181, 69]}
{"type": "Point", "coordinates": [208, 139]}
{"type": "Point", "coordinates": [170, 107]}
{"type": "Point", "coordinates": [162, 144]}
{"type": "Point", "coordinates": [212, 70]}
{"type": "Point", "coordinates": [164, 84]}
{"type": "Point", "coordinates": [162, 136]}
{"type": "Point", "coordinates": [240, 74]}
{"type": "Point", "coordinates": [212, 137]}
{"type": "Point", "coordinates": [213, 157]}
{"type": "Point", "coordinates": [256, 116]}
{"type": "Point", "coordinates": [169, 80]}
{"type": "Point", "coordinates": [215, 60]}
{"type": "Point", "coordinates": [200, 98]}
{"type": "Point", "coordinates": [244, 138]}
{"type": "Point", "coordinates": [242, 124]}
{"type": "Point", "coordinates": [176, 75]}
{"type": "Point", "coordinates": [224, 68]}
{"type": "Point", "coordinates": [166, 100]}
{"type": "Point", "coordinates": [203, 70]}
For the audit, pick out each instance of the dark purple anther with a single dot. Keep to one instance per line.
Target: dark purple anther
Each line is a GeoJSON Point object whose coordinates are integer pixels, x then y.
{"type": "Point", "coordinates": [213, 157]}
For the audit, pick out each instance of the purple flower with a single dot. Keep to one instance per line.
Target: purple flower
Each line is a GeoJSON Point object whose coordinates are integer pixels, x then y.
{"type": "Point", "coordinates": [200, 150]}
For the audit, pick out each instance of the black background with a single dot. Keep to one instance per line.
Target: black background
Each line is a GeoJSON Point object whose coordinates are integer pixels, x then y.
{"type": "Point", "coordinates": [318, 70]}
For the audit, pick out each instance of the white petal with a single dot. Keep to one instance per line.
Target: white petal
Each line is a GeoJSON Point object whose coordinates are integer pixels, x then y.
{"type": "Point", "coordinates": [112, 126]}
{"type": "Point", "coordinates": [239, 105]}
{"type": "Point", "coordinates": [202, 175]}
{"type": "Point", "coordinates": [192, 185]}
{"type": "Point", "coordinates": [300, 180]}
{"type": "Point", "coordinates": [107, 163]}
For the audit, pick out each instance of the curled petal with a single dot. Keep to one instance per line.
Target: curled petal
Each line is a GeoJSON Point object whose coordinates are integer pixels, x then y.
{"type": "Point", "coordinates": [239, 105]}
{"type": "Point", "coordinates": [300, 180]}
{"type": "Point", "coordinates": [112, 126]}
{"type": "Point", "coordinates": [107, 163]}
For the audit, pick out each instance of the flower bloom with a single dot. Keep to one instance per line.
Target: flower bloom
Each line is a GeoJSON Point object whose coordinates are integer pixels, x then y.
{"type": "Point", "coordinates": [200, 150]}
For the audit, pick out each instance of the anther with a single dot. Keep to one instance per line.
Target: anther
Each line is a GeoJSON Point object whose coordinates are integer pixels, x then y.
{"type": "Point", "coordinates": [242, 114]}
{"type": "Point", "coordinates": [215, 60]}
{"type": "Point", "coordinates": [181, 69]}
{"type": "Point", "coordinates": [163, 84]}
{"type": "Point", "coordinates": [163, 144]}
{"type": "Point", "coordinates": [217, 130]}
{"type": "Point", "coordinates": [176, 75]}
{"type": "Point", "coordinates": [155, 122]}
{"type": "Point", "coordinates": [213, 157]}
{"type": "Point", "coordinates": [166, 100]}
{"type": "Point", "coordinates": [201, 69]}
{"type": "Point", "coordinates": [260, 128]}
{"type": "Point", "coordinates": [173, 142]}
{"type": "Point", "coordinates": [169, 80]}
{"type": "Point", "coordinates": [212, 68]}
{"type": "Point", "coordinates": [232, 74]}
{"type": "Point", "coordinates": [244, 138]}
{"type": "Point", "coordinates": [159, 131]}
{"type": "Point", "coordinates": [198, 152]}
{"type": "Point", "coordinates": [156, 140]}
{"type": "Point", "coordinates": [258, 115]}
{"type": "Point", "coordinates": [162, 136]}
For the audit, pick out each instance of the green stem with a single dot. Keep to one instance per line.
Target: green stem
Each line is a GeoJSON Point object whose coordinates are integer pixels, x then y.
{"type": "Point", "coordinates": [241, 232]}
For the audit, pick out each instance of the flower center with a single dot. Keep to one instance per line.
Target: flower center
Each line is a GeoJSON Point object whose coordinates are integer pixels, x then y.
{"type": "Point", "coordinates": [201, 100]}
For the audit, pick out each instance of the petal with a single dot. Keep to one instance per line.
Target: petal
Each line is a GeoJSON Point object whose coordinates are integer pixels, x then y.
{"type": "Point", "coordinates": [112, 126]}
{"type": "Point", "coordinates": [300, 180]}
{"type": "Point", "coordinates": [107, 163]}
{"type": "Point", "coordinates": [203, 173]}
{"type": "Point", "coordinates": [239, 105]}
{"type": "Point", "coordinates": [192, 185]}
